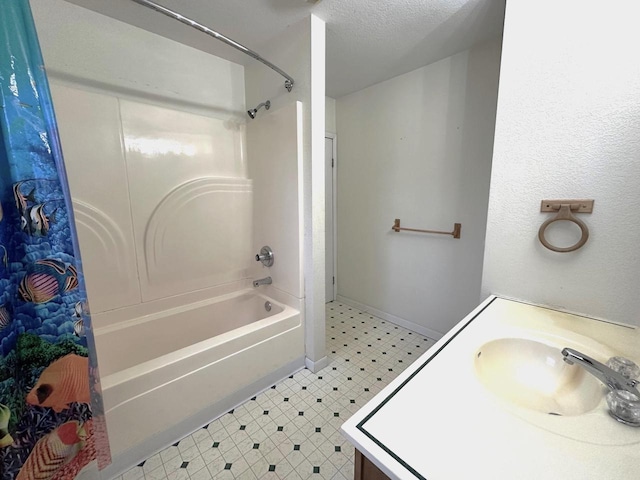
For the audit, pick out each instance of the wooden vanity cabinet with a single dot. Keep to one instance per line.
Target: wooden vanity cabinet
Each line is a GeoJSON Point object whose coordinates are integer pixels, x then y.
{"type": "Point", "coordinates": [366, 470]}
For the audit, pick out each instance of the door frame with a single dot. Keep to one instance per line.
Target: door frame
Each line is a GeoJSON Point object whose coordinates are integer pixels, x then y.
{"type": "Point", "coordinates": [334, 203]}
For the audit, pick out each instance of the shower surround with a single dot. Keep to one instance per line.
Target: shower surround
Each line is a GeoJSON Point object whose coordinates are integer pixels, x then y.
{"type": "Point", "coordinates": [174, 193]}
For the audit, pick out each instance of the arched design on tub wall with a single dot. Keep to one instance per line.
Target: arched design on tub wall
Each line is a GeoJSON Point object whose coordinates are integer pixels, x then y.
{"type": "Point", "coordinates": [188, 248]}
{"type": "Point", "coordinates": [113, 281]}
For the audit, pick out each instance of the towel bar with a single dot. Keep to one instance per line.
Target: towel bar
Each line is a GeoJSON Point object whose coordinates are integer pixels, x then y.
{"type": "Point", "coordinates": [456, 229]}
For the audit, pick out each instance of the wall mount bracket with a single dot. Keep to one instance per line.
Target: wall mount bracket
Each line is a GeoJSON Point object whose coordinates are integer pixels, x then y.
{"type": "Point", "coordinates": [577, 205]}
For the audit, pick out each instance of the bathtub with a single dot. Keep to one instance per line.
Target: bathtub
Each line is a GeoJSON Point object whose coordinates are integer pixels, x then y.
{"type": "Point", "coordinates": [167, 373]}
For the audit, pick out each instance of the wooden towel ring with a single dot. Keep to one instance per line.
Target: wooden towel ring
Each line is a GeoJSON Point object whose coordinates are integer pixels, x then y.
{"type": "Point", "coordinates": [564, 214]}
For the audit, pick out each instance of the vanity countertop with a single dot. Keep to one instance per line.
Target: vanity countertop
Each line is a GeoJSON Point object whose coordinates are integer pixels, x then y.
{"type": "Point", "coordinates": [436, 421]}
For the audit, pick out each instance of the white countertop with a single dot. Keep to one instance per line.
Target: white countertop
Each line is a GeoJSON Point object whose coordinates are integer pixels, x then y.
{"type": "Point", "coordinates": [436, 421]}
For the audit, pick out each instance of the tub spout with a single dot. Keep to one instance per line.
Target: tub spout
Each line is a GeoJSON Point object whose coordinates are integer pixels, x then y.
{"type": "Point", "coordinates": [262, 281]}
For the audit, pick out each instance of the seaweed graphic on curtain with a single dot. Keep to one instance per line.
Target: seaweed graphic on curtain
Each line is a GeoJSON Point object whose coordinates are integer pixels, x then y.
{"type": "Point", "coordinates": [51, 416]}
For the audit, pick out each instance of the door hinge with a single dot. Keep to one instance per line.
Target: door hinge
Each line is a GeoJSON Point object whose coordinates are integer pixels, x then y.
{"type": "Point", "coordinates": [334, 280]}
{"type": "Point", "coordinates": [332, 163]}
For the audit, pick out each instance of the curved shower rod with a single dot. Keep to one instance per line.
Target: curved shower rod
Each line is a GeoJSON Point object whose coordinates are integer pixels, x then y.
{"type": "Point", "coordinates": [288, 83]}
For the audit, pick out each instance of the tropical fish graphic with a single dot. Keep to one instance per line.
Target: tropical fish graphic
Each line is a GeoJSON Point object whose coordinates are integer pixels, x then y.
{"type": "Point", "coordinates": [53, 451]}
{"type": "Point", "coordinates": [5, 415]}
{"type": "Point", "coordinates": [21, 200]}
{"type": "Point", "coordinates": [65, 381]}
{"type": "Point", "coordinates": [5, 257]}
{"type": "Point", "coordinates": [34, 221]}
{"type": "Point", "coordinates": [47, 278]}
{"type": "Point", "coordinates": [78, 328]}
{"type": "Point", "coordinates": [81, 308]}
{"type": "Point", "coordinates": [5, 317]}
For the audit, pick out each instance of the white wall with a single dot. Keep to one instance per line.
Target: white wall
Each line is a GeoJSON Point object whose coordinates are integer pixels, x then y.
{"type": "Point", "coordinates": [300, 52]}
{"type": "Point", "coordinates": [417, 147]}
{"type": "Point", "coordinates": [274, 143]}
{"type": "Point", "coordinates": [330, 115]}
{"type": "Point", "coordinates": [568, 126]}
{"type": "Point", "coordinates": [81, 45]}
{"type": "Point", "coordinates": [155, 157]}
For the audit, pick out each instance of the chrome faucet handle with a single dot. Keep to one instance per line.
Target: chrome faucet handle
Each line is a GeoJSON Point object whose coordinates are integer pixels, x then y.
{"type": "Point", "coordinates": [265, 256]}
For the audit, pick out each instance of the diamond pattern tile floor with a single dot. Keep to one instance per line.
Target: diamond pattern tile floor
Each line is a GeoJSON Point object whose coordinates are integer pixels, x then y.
{"type": "Point", "coordinates": [291, 430]}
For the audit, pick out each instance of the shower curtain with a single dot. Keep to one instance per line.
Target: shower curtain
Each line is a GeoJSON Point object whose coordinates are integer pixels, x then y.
{"type": "Point", "coordinates": [51, 417]}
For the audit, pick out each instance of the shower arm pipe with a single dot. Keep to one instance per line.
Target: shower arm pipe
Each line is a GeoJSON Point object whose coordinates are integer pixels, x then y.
{"type": "Point", "coordinates": [288, 83]}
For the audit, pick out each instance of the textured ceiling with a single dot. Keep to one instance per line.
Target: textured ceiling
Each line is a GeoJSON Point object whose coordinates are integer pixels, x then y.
{"type": "Point", "coordinates": [368, 41]}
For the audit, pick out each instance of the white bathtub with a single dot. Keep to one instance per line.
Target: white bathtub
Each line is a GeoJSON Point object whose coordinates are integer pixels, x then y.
{"type": "Point", "coordinates": [167, 373]}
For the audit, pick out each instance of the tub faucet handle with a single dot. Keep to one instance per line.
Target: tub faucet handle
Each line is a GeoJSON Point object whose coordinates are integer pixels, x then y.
{"type": "Point", "coordinates": [265, 256]}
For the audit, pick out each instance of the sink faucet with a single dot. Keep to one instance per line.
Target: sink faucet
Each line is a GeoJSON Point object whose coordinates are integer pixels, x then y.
{"type": "Point", "coordinates": [262, 281]}
{"type": "Point", "coordinates": [609, 377]}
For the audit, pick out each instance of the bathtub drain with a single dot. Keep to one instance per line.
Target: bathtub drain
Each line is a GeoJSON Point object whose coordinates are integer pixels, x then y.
{"type": "Point", "coordinates": [267, 306]}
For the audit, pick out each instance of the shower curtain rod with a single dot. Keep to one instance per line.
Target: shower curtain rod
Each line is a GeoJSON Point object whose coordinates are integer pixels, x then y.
{"type": "Point", "coordinates": [288, 83]}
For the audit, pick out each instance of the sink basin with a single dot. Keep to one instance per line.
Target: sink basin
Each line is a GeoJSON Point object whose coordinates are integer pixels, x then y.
{"type": "Point", "coordinates": [532, 374]}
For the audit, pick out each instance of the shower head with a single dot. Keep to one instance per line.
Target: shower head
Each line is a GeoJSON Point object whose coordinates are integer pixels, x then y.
{"type": "Point", "coordinates": [252, 112]}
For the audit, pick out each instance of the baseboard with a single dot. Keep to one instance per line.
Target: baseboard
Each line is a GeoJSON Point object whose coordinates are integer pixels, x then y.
{"type": "Point", "coordinates": [123, 461]}
{"type": "Point", "coordinates": [90, 472]}
{"type": "Point", "coordinates": [401, 322]}
{"type": "Point", "coordinates": [316, 366]}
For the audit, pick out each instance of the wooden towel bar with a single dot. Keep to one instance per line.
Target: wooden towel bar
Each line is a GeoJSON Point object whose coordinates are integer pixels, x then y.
{"type": "Point", "coordinates": [456, 229]}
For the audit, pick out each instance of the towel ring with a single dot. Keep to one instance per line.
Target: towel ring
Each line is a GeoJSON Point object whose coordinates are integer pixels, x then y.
{"type": "Point", "coordinates": [564, 214]}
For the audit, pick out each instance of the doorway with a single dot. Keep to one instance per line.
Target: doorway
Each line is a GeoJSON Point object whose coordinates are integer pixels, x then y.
{"type": "Point", "coordinates": [330, 217]}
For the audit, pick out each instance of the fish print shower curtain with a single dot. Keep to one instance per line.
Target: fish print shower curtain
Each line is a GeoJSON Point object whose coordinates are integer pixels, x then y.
{"type": "Point", "coordinates": [51, 418]}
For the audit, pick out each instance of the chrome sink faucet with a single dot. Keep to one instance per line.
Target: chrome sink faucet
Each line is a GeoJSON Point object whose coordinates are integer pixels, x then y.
{"type": "Point", "coordinates": [262, 281]}
{"type": "Point", "coordinates": [611, 378]}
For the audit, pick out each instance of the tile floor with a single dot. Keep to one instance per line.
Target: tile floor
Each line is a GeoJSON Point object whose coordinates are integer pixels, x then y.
{"type": "Point", "coordinates": [291, 430]}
